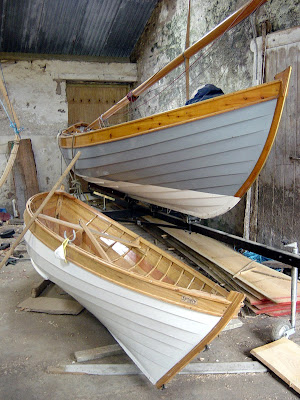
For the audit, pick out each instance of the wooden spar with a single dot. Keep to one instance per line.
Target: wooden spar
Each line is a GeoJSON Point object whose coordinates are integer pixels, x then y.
{"type": "Point", "coordinates": [4, 91]}
{"type": "Point", "coordinates": [187, 61]}
{"type": "Point", "coordinates": [224, 26]}
{"type": "Point", "coordinates": [36, 214]}
{"type": "Point", "coordinates": [15, 148]}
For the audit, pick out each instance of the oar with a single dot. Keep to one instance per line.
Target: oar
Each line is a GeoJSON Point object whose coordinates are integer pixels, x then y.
{"type": "Point", "coordinates": [35, 215]}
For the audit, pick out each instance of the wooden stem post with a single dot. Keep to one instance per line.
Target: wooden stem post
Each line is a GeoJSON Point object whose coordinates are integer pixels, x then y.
{"type": "Point", "coordinates": [38, 211]}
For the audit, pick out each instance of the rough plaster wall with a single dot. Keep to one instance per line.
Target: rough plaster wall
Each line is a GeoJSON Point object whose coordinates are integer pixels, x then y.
{"type": "Point", "coordinates": [228, 63]}
{"type": "Point", "coordinates": [37, 90]}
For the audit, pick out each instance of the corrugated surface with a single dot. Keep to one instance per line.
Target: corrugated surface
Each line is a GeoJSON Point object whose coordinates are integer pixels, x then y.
{"type": "Point", "coordinates": [108, 28]}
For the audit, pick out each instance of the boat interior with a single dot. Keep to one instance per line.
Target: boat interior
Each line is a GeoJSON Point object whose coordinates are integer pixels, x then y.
{"type": "Point", "coordinates": [112, 243]}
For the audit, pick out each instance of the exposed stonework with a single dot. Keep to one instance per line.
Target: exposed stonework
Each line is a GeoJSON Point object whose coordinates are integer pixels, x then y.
{"type": "Point", "coordinates": [37, 91]}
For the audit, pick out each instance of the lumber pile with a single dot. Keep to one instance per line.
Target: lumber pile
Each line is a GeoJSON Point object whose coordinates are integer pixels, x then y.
{"type": "Point", "coordinates": [267, 291]}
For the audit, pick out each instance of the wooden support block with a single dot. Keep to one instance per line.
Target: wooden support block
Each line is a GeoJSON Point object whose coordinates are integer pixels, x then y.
{"type": "Point", "coordinates": [131, 369]}
{"type": "Point", "coordinates": [51, 305]}
{"type": "Point", "coordinates": [282, 357]}
{"type": "Point", "coordinates": [39, 288]}
{"type": "Point", "coordinates": [98, 352]}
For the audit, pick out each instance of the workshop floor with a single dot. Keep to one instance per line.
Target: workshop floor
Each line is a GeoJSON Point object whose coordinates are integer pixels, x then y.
{"type": "Point", "coordinates": [31, 342]}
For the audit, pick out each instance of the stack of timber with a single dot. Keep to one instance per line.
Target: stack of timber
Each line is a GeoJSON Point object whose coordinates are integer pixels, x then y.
{"type": "Point", "coordinates": [267, 291]}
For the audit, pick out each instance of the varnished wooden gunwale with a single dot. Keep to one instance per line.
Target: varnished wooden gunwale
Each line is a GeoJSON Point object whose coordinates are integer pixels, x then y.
{"type": "Point", "coordinates": [284, 78]}
{"type": "Point", "coordinates": [204, 302]}
{"type": "Point", "coordinates": [179, 116]}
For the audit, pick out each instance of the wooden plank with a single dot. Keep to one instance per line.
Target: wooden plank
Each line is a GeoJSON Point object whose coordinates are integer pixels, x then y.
{"type": "Point", "coordinates": [130, 369]}
{"type": "Point", "coordinates": [52, 305]}
{"type": "Point", "coordinates": [283, 358]}
{"type": "Point", "coordinates": [98, 353]}
{"type": "Point", "coordinates": [271, 287]}
{"type": "Point", "coordinates": [25, 175]}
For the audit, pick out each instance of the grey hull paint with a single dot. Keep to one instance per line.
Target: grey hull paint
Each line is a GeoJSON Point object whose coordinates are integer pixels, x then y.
{"type": "Point", "coordinates": [214, 155]}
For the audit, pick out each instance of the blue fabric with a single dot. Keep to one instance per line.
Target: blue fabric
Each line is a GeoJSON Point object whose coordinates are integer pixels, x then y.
{"type": "Point", "coordinates": [207, 92]}
{"type": "Point", "coordinates": [255, 257]}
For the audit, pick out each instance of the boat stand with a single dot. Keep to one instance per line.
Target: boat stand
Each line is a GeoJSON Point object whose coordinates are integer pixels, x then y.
{"type": "Point", "coordinates": [284, 329]}
{"type": "Point", "coordinates": [129, 210]}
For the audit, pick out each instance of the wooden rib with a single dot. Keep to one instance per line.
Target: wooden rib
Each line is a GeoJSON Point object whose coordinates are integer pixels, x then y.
{"type": "Point", "coordinates": [92, 238]}
{"type": "Point", "coordinates": [115, 238]}
{"type": "Point", "coordinates": [140, 260]}
{"type": "Point", "coordinates": [121, 256]}
{"type": "Point", "coordinates": [180, 276]}
{"type": "Point", "coordinates": [192, 280]}
{"type": "Point", "coordinates": [285, 78]}
{"type": "Point", "coordinates": [91, 220]}
{"type": "Point", "coordinates": [168, 269]}
{"type": "Point", "coordinates": [155, 266]}
{"type": "Point", "coordinates": [236, 300]}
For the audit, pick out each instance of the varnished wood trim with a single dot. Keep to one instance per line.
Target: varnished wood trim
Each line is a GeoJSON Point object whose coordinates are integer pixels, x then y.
{"type": "Point", "coordinates": [236, 301]}
{"type": "Point", "coordinates": [179, 116]}
{"type": "Point", "coordinates": [284, 79]}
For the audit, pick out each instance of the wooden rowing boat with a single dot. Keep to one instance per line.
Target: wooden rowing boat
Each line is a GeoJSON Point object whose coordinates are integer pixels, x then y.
{"type": "Point", "coordinates": [199, 159]}
{"type": "Point", "coordinates": [161, 311]}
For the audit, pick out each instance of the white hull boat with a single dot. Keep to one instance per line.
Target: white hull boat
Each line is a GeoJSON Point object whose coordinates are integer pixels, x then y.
{"type": "Point", "coordinates": [159, 310]}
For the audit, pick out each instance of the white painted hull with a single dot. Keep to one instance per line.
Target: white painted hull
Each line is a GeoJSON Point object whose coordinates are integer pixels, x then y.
{"type": "Point", "coordinates": [155, 334]}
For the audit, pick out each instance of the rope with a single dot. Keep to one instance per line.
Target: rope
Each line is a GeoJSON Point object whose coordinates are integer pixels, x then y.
{"type": "Point", "coordinates": [11, 123]}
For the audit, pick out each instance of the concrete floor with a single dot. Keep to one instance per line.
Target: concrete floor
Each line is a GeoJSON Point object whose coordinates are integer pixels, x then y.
{"type": "Point", "coordinates": [32, 342]}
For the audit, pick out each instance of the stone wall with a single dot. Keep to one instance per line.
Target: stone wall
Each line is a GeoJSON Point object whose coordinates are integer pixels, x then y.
{"type": "Point", "coordinates": [37, 91]}
{"type": "Point", "coordinates": [228, 63]}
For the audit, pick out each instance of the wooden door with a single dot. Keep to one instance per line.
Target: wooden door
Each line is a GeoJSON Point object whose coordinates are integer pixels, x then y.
{"type": "Point", "coordinates": [279, 182]}
{"type": "Point", "coordinates": [87, 101]}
